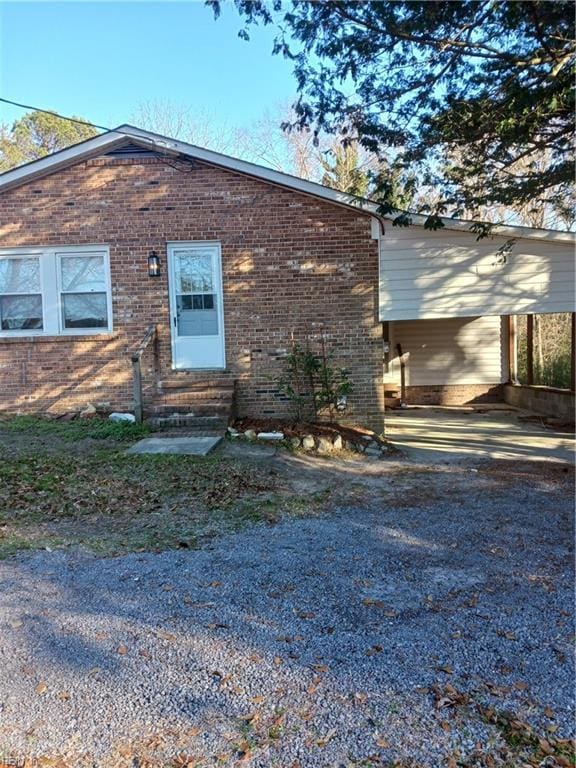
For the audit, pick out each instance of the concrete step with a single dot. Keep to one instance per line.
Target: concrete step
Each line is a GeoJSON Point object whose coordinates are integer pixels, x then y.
{"type": "Point", "coordinates": [193, 384]}
{"type": "Point", "coordinates": [194, 396]}
{"type": "Point", "coordinates": [189, 421]}
{"type": "Point", "coordinates": [198, 408]}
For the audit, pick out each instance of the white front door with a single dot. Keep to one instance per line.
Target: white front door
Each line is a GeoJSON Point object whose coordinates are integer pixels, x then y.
{"type": "Point", "coordinates": [196, 312]}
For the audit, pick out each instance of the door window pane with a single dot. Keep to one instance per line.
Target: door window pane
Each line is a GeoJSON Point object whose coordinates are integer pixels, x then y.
{"type": "Point", "coordinates": [201, 319]}
{"type": "Point", "coordinates": [193, 271]}
{"type": "Point", "coordinates": [21, 313]}
{"type": "Point", "coordinates": [84, 310]}
{"type": "Point", "coordinates": [21, 275]}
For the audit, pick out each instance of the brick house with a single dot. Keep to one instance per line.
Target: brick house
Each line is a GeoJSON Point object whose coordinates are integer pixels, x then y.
{"type": "Point", "coordinates": [132, 263]}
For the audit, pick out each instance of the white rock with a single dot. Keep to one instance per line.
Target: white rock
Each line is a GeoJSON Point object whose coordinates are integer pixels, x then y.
{"type": "Point", "coordinates": [308, 443]}
{"type": "Point", "coordinates": [337, 443]}
{"type": "Point", "coordinates": [295, 442]}
{"type": "Point", "coordinates": [127, 417]}
{"type": "Point", "coordinates": [250, 434]}
{"type": "Point", "coordinates": [271, 436]}
{"type": "Point", "coordinates": [90, 410]}
{"type": "Point", "coordinates": [324, 445]}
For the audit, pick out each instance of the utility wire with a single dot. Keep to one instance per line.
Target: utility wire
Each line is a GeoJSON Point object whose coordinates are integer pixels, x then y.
{"type": "Point", "coordinates": [55, 114]}
{"type": "Point", "coordinates": [91, 125]}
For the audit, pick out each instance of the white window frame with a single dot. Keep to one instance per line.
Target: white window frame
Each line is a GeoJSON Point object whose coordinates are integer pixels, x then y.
{"type": "Point", "coordinates": [50, 284]}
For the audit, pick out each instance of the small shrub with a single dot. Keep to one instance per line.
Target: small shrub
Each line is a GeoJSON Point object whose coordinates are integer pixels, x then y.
{"type": "Point", "coordinates": [312, 383]}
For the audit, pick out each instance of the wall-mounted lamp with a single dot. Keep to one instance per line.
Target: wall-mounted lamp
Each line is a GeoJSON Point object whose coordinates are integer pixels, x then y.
{"type": "Point", "coordinates": [153, 264]}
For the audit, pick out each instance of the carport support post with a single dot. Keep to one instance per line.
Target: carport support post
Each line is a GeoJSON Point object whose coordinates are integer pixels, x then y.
{"type": "Point", "coordinates": [510, 329]}
{"type": "Point", "coordinates": [530, 350]}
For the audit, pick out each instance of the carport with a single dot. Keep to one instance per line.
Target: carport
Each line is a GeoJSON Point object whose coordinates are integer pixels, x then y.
{"type": "Point", "coordinates": [449, 302]}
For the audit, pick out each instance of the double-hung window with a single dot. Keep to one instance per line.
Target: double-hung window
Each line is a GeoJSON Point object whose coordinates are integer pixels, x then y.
{"type": "Point", "coordinates": [54, 291]}
{"type": "Point", "coordinates": [21, 306]}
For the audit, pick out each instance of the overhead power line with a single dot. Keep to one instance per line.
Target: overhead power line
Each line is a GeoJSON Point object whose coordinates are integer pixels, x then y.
{"type": "Point", "coordinates": [91, 125]}
{"type": "Point", "coordinates": [55, 114]}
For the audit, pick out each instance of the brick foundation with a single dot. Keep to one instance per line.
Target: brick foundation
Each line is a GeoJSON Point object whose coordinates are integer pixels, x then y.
{"type": "Point", "coordinates": [293, 267]}
{"type": "Point", "coordinates": [452, 394]}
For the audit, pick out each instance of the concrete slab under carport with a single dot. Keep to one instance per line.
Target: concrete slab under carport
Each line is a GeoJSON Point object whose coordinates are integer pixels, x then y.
{"type": "Point", "coordinates": [434, 435]}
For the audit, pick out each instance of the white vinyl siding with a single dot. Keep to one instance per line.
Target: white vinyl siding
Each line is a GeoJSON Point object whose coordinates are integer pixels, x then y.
{"type": "Point", "coordinates": [449, 351]}
{"type": "Point", "coordinates": [444, 273]}
{"type": "Point", "coordinates": [55, 291]}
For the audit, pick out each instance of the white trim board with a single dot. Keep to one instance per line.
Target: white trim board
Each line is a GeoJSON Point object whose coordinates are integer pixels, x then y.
{"type": "Point", "coordinates": [128, 134]}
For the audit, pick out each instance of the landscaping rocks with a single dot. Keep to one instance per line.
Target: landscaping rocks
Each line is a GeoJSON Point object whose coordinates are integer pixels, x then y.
{"type": "Point", "coordinates": [127, 417]}
{"type": "Point", "coordinates": [323, 438]}
{"type": "Point", "coordinates": [88, 412]}
{"type": "Point", "coordinates": [271, 436]}
{"type": "Point", "coordinates": [324, 445]}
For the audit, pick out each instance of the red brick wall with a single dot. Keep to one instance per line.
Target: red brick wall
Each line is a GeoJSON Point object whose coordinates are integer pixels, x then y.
{"type": "Point", "coordinates": [454, 394]}
{"type": "Point", "coordinates": [292, 264]}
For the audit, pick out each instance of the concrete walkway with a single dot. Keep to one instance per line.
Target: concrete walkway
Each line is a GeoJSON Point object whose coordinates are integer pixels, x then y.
{"type": "Point", "coordinates": [445, 435]}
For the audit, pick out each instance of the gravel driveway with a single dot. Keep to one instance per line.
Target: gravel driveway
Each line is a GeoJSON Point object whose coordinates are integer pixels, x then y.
{"type": "Point", "coordinates": [389, 631]}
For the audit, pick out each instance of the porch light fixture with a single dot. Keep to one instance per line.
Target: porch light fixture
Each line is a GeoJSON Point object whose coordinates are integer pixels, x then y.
{"type": "Point", "coordinates": [153, 264]}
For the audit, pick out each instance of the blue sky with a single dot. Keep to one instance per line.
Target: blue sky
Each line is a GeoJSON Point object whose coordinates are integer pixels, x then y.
{"type": "Point", "coordinates": [100, 60]}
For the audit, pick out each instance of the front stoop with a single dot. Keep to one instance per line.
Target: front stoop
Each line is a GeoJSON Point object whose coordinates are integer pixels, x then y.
{"type": "Point", "coordinates": [180, 401]}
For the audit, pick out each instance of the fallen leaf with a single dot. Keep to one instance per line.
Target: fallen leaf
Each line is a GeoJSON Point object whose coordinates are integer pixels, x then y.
{"type": "Point", "coordinates": [277, 661]}
{"type": "Point", "coordinates": [186, 761]}
{"type": "Point", "coordinates": [324, 740]}
{"type": "Point", "coordinates": [381, 742]}
{"type": "Point", "coordinates": [520, 686]}
{"type": "Point", "coordinates": [41, 688]}
{"type": "Point", "coordinates": [304, 614]}
{"type": "Point", "coordinates": [445, 725]}
{"type": "Point", "coordinates": [122, 650]}
{"type": "Point", "coordinates": [373, 602]}
{"type": "Point", "coordinates": [375, 649]}
{"type": "Point", "coordinates": [448, 670]}
{"type": "Point", "coordinates": [63, 695]}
